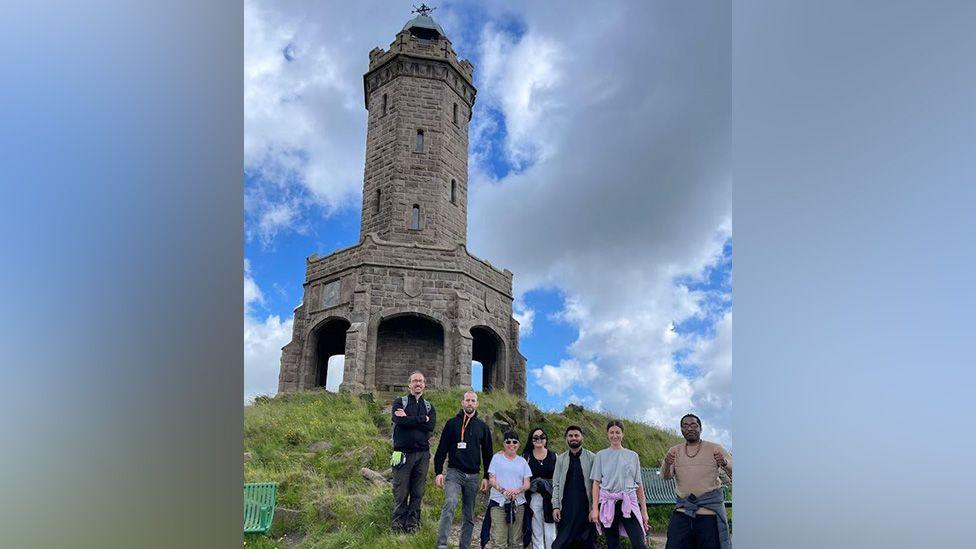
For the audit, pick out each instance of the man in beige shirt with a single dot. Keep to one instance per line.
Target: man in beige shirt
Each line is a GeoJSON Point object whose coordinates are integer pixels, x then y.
{"type": "Point", "coordinates": [698, 520]}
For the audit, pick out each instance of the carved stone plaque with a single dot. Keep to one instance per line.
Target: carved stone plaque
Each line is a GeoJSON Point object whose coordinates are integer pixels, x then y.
{"type": "Point", "coordinates": [330, 294]}
{"type": "Point", "coordinates": [412, 285]}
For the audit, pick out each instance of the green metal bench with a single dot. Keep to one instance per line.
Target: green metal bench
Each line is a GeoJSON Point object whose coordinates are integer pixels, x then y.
{"type": "Point", "coordinates": [659, 491]}
{"type": "Point", "coordinates": [259, 506]}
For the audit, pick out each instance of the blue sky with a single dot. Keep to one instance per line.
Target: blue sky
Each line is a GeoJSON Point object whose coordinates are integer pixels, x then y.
{"type": "Point", "coordinates": [602, 181]}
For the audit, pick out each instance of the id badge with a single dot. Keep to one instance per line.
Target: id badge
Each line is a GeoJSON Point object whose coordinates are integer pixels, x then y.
{"type": "Point", "coordinates": [462, 445]}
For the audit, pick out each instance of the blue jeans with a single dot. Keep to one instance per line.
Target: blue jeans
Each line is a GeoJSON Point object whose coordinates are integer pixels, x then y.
{"type": "Point", "coordinates": [458, 486]}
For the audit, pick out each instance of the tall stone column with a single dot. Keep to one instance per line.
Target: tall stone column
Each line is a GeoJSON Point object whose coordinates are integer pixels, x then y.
{"type": "Point", "coordinates": [354, 368]}
{"type": "Point", "coordinates": [516, 362]}
{"type": "Point", "coordinates": [462, 366]}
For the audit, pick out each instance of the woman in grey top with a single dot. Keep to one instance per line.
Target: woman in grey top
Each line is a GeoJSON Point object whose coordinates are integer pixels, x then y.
{"type": "Point", "coordinates": [619, 506]}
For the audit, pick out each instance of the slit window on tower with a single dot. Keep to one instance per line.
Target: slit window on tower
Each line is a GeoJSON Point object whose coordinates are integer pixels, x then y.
{"type": "Point", "coordinates": [384, 104]}
{"type": "Point", "coordinates": [415, 218]}
{"type": "Point", "coordinates": [379, 194]}
{"type": "Point", "coordinates": [420, 141]}
{"type": "Point", "coordinates": [453, 191]}
{"type": "Point", "coordinates": [455, 113]}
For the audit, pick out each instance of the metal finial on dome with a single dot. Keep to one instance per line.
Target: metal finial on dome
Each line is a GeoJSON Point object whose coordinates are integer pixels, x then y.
{"type": "Point", "coordinates": [423, 10]}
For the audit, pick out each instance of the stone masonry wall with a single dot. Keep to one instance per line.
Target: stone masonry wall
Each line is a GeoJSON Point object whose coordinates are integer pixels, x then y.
{"type": "Point", "coordinates": [407, 341]}
{"type": "Point", "coordinates": [417, 87]}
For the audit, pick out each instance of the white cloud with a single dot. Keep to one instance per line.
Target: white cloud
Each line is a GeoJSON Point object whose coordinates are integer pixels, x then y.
{"type": "Point", "coordinates": [304, 119]}
{"type": "Point", "coordinates": [629, 192]}
{"type": "Point", "coordinates": [263, 340]}
{"type": "Point", "coordinates": [556, 379]}
{"type": "Point", "coordinates": [525, 317]}
{"type": "Point", "coordinates": [252, 294]}
{"type": "Point", "coordinates": [713, 390]}
{"type": "Point", "coordinates": [519, 77]}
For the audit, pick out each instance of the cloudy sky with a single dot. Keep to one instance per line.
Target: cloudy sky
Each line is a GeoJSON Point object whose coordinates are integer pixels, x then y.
{"type": "Point", "coordinates": [600, 175]}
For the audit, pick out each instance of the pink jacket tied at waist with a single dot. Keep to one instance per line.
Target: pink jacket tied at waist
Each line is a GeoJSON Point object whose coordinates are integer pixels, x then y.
{"type": "Point", "coordinates": [630, 506]}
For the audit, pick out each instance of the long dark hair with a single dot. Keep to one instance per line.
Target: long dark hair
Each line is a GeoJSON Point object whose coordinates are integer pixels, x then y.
{"type": "Point", "coordinates": [530, 446]}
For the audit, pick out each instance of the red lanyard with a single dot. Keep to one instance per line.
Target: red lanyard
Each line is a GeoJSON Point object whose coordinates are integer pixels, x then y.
{"type": "Point", "coordinates": [464, 423]}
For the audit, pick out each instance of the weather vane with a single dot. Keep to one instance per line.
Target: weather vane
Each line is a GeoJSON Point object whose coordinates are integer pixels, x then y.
{"type": "Point", "coordinates": [423, 10]}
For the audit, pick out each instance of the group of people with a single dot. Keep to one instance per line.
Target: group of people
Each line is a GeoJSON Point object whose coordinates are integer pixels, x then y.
{"type": "Point", "coordinates": [549, 501]}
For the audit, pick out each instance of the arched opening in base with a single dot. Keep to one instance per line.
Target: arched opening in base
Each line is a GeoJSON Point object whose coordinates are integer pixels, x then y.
{"type": "Point", "coordinates": [330, 349]}
{"type": "Point", "coordinates": [486, 348]}
{"type": "Point", "coordinates": [405, 343]}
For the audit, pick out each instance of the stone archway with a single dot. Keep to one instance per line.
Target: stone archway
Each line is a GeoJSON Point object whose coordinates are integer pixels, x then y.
{"type": "Point", "coordinates": [488, 348]}
{"type": "Point", "coordinates": [328, 339]}
{"type": "Point", "coordinates": [406, 342]}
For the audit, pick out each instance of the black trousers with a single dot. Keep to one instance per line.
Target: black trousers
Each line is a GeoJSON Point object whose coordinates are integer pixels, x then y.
{"type": "Point", "coordinates": [409, 481]}
{"type": "Point", "coordinates": [700, 532]}
{"type": "Point", "coordinates": [631, 525]}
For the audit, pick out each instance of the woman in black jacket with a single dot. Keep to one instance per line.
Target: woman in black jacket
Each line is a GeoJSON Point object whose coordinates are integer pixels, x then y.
{"type": "Point", "coordinates": [539, 530]}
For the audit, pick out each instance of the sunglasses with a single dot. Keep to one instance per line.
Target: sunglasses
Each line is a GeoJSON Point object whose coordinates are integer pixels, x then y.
{"type": "Point", "coordinates": [540, 437]}
{"type": "Point", "coordinates": [511, 441]}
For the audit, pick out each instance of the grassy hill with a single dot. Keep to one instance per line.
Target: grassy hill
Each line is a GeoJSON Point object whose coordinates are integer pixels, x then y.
{"type": "Point", "coordinates": [314, 445]}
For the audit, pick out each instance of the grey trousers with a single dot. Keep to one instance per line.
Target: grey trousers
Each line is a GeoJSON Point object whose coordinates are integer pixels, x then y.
{"type": "Point", "coordinates": [409, 481]}
{"type": "Point", "coordinates": [463, 487]}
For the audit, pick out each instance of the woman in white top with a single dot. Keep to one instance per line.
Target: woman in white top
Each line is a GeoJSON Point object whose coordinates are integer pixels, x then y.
{"type": "Point", "coordinates": [508, 476]}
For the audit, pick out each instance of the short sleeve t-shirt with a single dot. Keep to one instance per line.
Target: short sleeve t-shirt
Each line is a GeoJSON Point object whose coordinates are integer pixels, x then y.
{"type": "Point", "coordinates": [510, 474]}
{"type": "Point", "coordinates": [616, 470]}
{"type": "Point", "coordinates": [696, 472]}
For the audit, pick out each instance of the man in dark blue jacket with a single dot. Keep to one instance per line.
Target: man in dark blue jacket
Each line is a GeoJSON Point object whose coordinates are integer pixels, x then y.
{"type": "Point", "coordinates": [413, 422]}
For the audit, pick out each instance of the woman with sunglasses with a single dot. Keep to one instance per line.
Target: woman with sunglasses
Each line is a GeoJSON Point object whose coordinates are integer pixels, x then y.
{"type": "Point", "coordinates": [508, 475]}
{"type": "Point", "coordinates": [538, 524]}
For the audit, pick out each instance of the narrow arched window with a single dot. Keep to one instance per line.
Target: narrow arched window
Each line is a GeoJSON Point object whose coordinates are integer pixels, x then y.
{"type": "Point", "coordinates": [384, 104]}
{"type": "Point", "coordinates": [455, 113]}
{"type": "Point", "coordinates": [415, 218]}
{"type": "Point", "coordinates": [379, 195]}
{"type": "Point", "coordinates": [420, 141]}
{"type": "Point", "coordinates": [453, 191]}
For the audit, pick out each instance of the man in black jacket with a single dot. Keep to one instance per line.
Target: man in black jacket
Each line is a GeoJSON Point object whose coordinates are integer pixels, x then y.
{"type": "Point", "coordinates": [413, 422]}
{"type": "Point", "coordinates": [466, 443]}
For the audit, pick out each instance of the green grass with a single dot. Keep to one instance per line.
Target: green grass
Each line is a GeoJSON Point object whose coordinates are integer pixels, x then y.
{"type": "Point", "coordinates": [340, 509]}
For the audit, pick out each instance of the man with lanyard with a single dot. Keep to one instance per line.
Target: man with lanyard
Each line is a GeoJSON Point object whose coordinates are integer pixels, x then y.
{"type": "Point", "coordinates": [571, 493]}
{"type": "Point", "coordinates": [699, 519]}
{"type": "Point", "coordinates": [413, 422]}
{"type": "Point", "coordinates": [466, 443]}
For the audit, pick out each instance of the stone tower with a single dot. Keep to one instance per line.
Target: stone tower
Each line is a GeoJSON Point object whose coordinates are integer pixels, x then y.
{"type": "Point", "coordinates": [409, 296]}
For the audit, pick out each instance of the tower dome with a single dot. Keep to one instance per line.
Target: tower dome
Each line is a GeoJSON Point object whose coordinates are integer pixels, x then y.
{"type": "Point", "coordinates": [424, 27]}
